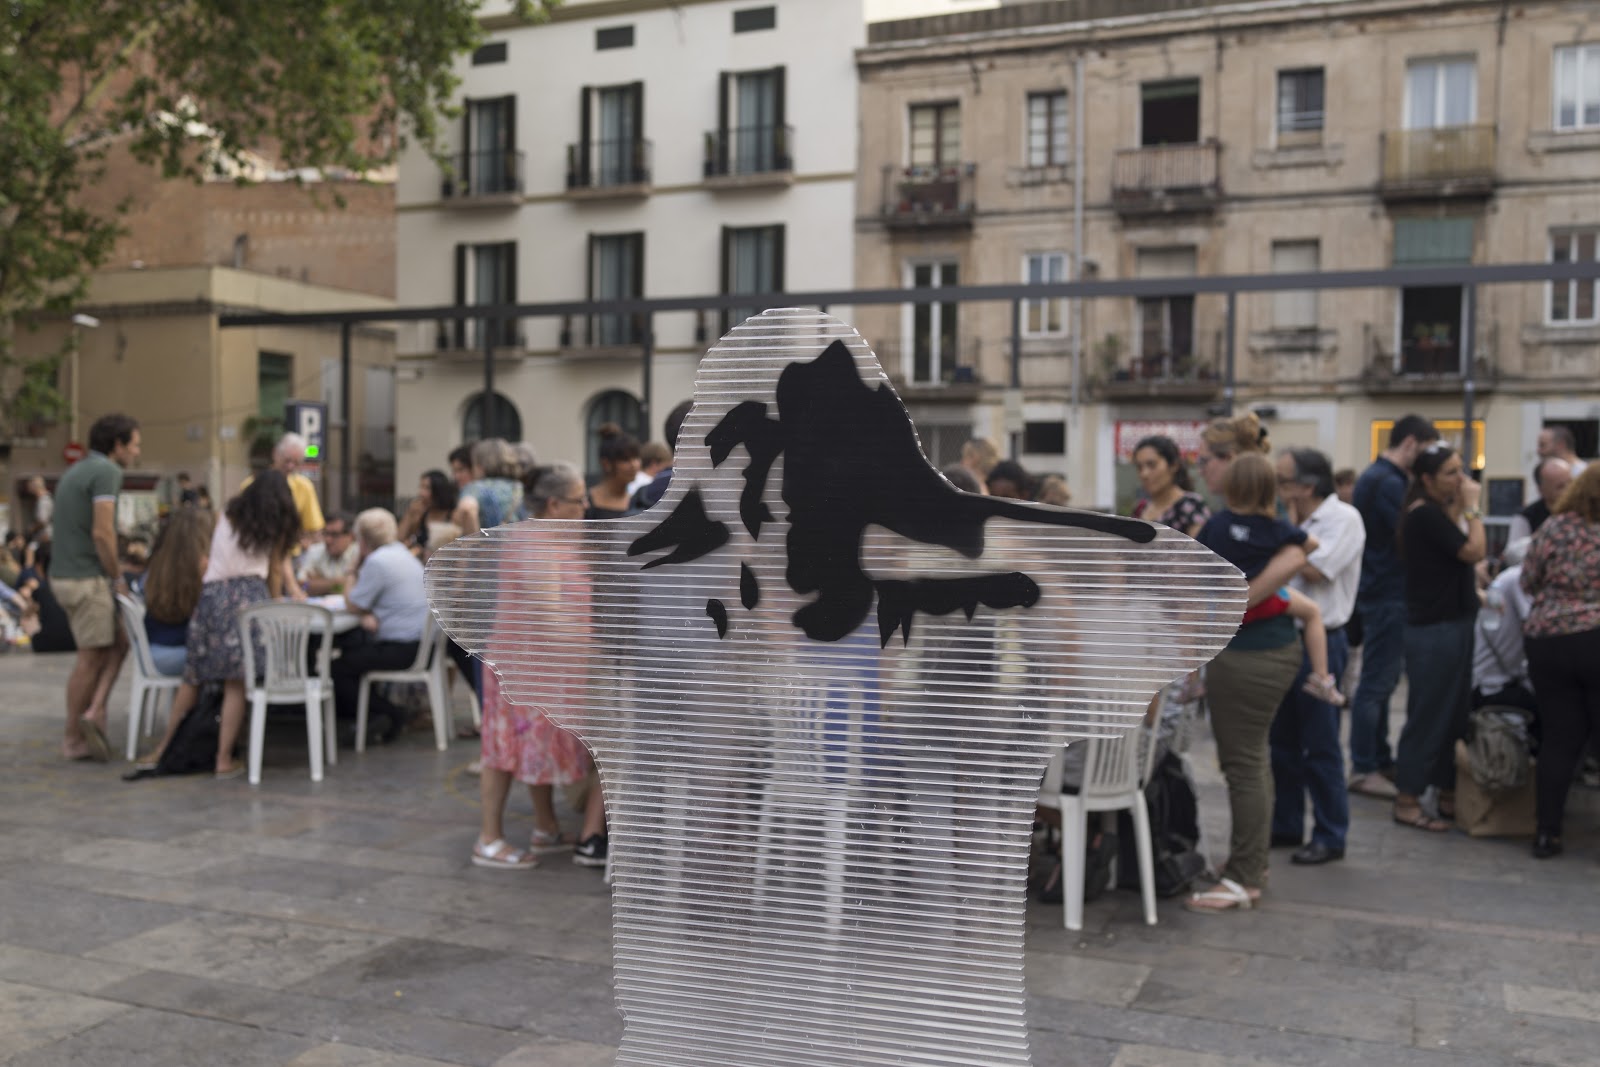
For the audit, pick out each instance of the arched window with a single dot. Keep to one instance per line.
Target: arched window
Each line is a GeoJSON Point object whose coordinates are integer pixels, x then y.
{"type": "Point", "coordinates": [613, 405]}
{"type": "Point", "coordinates": [507, 423]}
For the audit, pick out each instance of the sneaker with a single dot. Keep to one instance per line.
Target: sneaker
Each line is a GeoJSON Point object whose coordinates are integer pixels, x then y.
{"type": "Point", "coordinates": [591, 851]}
{"type": "Point", "coordinates": [1373, 785]}
{"type": "Point", "coordinates": [1323, 688]}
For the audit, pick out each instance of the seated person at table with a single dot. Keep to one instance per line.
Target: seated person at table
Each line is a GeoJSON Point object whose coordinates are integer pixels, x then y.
{"type": "Point", "coordinates": [172, 585]}
{"type": "Point", "coordinates": [330, 565]}
{"type": "Point", "coordinates": [245, 566]}
{"type": "Point", "coordinates": [389, 596]}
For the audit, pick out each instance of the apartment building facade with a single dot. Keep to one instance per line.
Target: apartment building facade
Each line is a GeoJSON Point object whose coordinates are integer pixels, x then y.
{"type": "Point", "coordinates": [620, 150]}
{"type": "Point", "coordinates": [1209, 138]}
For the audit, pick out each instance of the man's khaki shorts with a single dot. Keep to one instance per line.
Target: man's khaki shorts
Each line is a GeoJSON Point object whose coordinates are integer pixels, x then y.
{"type": "Point", "coordinates": [91, 611]}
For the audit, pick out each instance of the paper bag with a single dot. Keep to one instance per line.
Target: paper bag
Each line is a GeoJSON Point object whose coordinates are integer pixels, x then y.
{"type": "Point", "coordinates": [1506, 813]}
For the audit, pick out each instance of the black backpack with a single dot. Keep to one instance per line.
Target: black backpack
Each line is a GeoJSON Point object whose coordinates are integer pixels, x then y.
{"type": "Point", "coordinates": [193, 747]}
{"type": "Point", "coordinates": [1174, 831]}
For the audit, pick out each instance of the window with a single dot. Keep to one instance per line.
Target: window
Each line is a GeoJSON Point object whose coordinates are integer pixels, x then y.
{"type": "Point", "coordinates": [611, 149]}
{"type": "Point", "coordinates": [503, 419]}
{"type": "Point", "coordinates": [486, 275]}
{"type": "Point", "coordinates": [935, 135]}
{"type": "Point", "coordinates": [616, 406]}
{"type": "Point", "coordinates": [755, 18]}
{"type": "Point", "coordinates": [1441, 93]}
{"type": "Point", "coordinates": [1047, 129]}
{"type": "Point", "coordinates": [493, 52]}
{"type": "Point", "coordinates": [934, 352]}
{"type": "Point", "coordinates": [1165, 333]}
{"type": "Point", "coordinates": [1574, 301]}
{"type": "Point", "coordinates": [1300, 100]}
{"type": "Point", "coordinates": [751, 136]}
{"type": "Point", "coordinates": [616, 272]}
{"type": "Point", "coordinates": [489, 162]}
{"type": "Point", "coordinates": [752, 262]}
{"type": "Point", "coordinates": [613, 37]}
{"type": "Point", "coordinates": [1577, 87]}
{"type": "Point", "coordinates": [1169, 112]}
{"type": "Point", "coordinates": [1044, 318]}
{"type": "Point", "coordinates": [274, 386]}
{"type": "Point", "coordinates": [1296, 310]}
{"type": "Point", "coordinates": [1044, 438]}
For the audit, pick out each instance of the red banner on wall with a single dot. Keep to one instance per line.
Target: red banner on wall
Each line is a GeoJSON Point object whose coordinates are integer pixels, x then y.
{"type": "Point", "coordinates": [1185, 432]}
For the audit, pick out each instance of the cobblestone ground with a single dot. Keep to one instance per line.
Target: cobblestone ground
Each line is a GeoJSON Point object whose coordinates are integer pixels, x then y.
{"type": "Point", "coordinates": [189, 922]}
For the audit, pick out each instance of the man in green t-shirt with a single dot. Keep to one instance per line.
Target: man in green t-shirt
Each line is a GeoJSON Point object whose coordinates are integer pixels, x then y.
{"type": "Point", "coordinates": [85, 575]}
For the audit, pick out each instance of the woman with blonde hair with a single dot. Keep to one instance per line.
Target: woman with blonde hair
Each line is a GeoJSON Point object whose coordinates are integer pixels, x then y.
{"type": "Point", "coordinates": [1562, 636]}
{"type": "Point", "coordinates": [172, 585]}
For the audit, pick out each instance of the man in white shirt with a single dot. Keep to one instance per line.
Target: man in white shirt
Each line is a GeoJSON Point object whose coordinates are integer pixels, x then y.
{"type": "Point", "coordinates": [388, 594]}
{"type": "Point", "coordinates": [1558, 442]}
{"type": "Point", "coordinates": [1306, 754]}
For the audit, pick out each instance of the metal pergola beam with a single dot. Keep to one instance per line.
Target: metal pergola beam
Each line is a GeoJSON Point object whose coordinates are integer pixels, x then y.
{"type": "Point", "coordinates": [1384, 278]}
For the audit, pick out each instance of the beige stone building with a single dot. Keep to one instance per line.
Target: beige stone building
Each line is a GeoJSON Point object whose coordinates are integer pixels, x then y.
{"type": "Point", "coordinates": [1242, 138]}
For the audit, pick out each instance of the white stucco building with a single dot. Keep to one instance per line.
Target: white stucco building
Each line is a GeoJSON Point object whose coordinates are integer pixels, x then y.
{"type": "Point", "coordinates": [640, 149]}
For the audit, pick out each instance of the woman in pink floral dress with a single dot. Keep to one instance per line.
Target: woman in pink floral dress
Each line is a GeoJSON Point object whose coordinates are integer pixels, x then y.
{"type": "Point", "coordinates": [519, 742]}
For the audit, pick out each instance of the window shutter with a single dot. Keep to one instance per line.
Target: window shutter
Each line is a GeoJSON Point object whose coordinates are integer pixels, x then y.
{"type": "Point", "coordinates": [460, 330]}
{"type": "Point", "coordinates": [727, 276]}
{"type": "Point", "coordinates": [464, 173]}
{"type": "Point", "coordinates": [724, 89]}
{"type": "Point", "coordinates": [777, 258]}
{"type": "Point", "coordinates": [780, 135]}
{"type": "Point", "coordinates": [636, 320]}
{"type": "Point", "coordinates": [508, 325]}
{"type": "Point", "coordinates": [585, 123]}
{"type": "Point", "coordinates": [589, 324]}
{"type": "Point", "coordinates": [511, 180]}
{"type": "Point", "coordinates": [641, 168]}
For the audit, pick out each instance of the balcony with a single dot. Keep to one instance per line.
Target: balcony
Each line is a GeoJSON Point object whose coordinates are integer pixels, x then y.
{"type": "Point", "coordinates": [745, 157]}
{"type": "Point", "coordinates": [599, 337]}
{"type": "Point", "coordinates": [609, 169]}
{"type": "Point", "coordinates": [929, 197]}
{"type": "Point", "coordinates": [1429, 164]}
{"type": "Point", "coordinates": [1429, 362]}
{"type": "Point", "coordinates": [921, 373]}
{"type": "Point", "coordinates": [1166, 179]}
{"type": "Point", "coordinates": [462, 341]}
{"type": "Point", "coordinates": [1170, 374]}
{"type": "Point", "coordinates": [483, 179]}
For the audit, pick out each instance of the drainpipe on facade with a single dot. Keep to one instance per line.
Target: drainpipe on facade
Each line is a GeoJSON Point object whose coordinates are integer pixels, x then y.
{"type": "Point", "coordinates": [1076, 438]}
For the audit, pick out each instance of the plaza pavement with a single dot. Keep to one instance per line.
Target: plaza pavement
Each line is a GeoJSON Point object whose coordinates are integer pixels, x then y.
{"type": "Point", "coordinates": [185, 921]}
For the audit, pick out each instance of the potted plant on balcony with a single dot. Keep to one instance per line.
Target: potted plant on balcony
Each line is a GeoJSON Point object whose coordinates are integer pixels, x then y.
{"type": "Point", "coordinates": [1109, 351]}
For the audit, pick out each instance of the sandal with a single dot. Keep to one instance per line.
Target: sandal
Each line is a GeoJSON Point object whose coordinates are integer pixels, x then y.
{"type": "Point", "coordinates": [549, 841]}
{"type": "Point", "coordinates": [501, 856]}
{"type": "Point", "coordinates": [1226, 895]}
{"type": "Point", "coordinates": [1418, 819]}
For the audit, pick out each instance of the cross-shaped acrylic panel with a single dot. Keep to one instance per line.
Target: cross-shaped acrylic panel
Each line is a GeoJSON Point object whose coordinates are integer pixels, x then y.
{"type": "Point", "coordinates": [822, 685]}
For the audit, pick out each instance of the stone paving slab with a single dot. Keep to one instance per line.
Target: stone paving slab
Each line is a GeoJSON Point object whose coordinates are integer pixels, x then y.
{"type": "Point", "coordinates": [190, 922]}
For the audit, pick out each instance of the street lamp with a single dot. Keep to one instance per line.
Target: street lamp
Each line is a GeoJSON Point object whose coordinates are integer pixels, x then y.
{"type": "Point", "coordinates": [80, 321]}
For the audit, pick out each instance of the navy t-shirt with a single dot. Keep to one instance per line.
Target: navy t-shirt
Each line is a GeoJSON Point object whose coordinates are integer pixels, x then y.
{"type": "Point", "coordinates": [1248, 541]}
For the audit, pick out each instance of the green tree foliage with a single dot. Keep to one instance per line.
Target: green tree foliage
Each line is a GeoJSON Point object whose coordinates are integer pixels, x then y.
{"type": "Point", "coordinates": [191, 87]}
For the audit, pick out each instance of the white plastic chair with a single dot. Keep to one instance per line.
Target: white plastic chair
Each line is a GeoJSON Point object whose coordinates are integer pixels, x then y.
{"type": "Point", "coordinates": [150, 686]}
{"type": "Point", "coordinates": [285, 632]}
{"type": "Point", "coordinates": [1114, 773]}
{"type": "Point", "coordinates": [427, 668]}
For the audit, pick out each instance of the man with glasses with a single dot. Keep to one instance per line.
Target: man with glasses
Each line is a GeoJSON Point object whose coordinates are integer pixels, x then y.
{"type": "Point", "coordinates": [1306, 755]}
{"type": "Point", "coordinates": [329, 567]}
{"type": "Point", "coordinates": [1381, 605]}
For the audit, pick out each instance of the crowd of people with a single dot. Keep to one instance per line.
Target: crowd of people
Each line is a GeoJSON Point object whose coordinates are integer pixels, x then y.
{"type": "Point", "coordinates": [1366, 578]}
{"type": "Point", "coordinates": [1353, 581]}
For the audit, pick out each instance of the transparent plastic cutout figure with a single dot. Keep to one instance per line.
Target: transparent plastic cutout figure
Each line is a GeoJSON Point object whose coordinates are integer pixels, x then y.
{"type": "Point", "coordinates": [822, 685]}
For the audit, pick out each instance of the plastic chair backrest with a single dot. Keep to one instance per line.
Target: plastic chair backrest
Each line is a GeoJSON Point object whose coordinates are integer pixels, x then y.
{"type": "Point", "coordinates": [284, 630]}
{"type": "Point", "coordinates": [431, 644]}
{"type": "Point", "coordinates": [1113, 766]}
{"type": "Point", "coordinates": [133, 622]}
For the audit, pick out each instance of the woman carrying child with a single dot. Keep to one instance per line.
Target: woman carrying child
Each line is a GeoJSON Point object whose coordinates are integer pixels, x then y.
{"type": "Point", "coordinates": [1248, 679]}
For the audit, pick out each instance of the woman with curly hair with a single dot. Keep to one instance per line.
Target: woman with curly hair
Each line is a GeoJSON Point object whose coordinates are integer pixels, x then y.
{"type": "Point", "coordinates": [430, 510]}
{"type": "Point", "coordinates": [1562, 635]}
{"type": "Point", "coordinates": [258, 529]}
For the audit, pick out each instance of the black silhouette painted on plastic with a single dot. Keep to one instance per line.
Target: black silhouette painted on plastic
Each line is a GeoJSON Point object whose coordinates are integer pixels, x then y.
{"type": "Point", "coordinates": [851, 460]}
